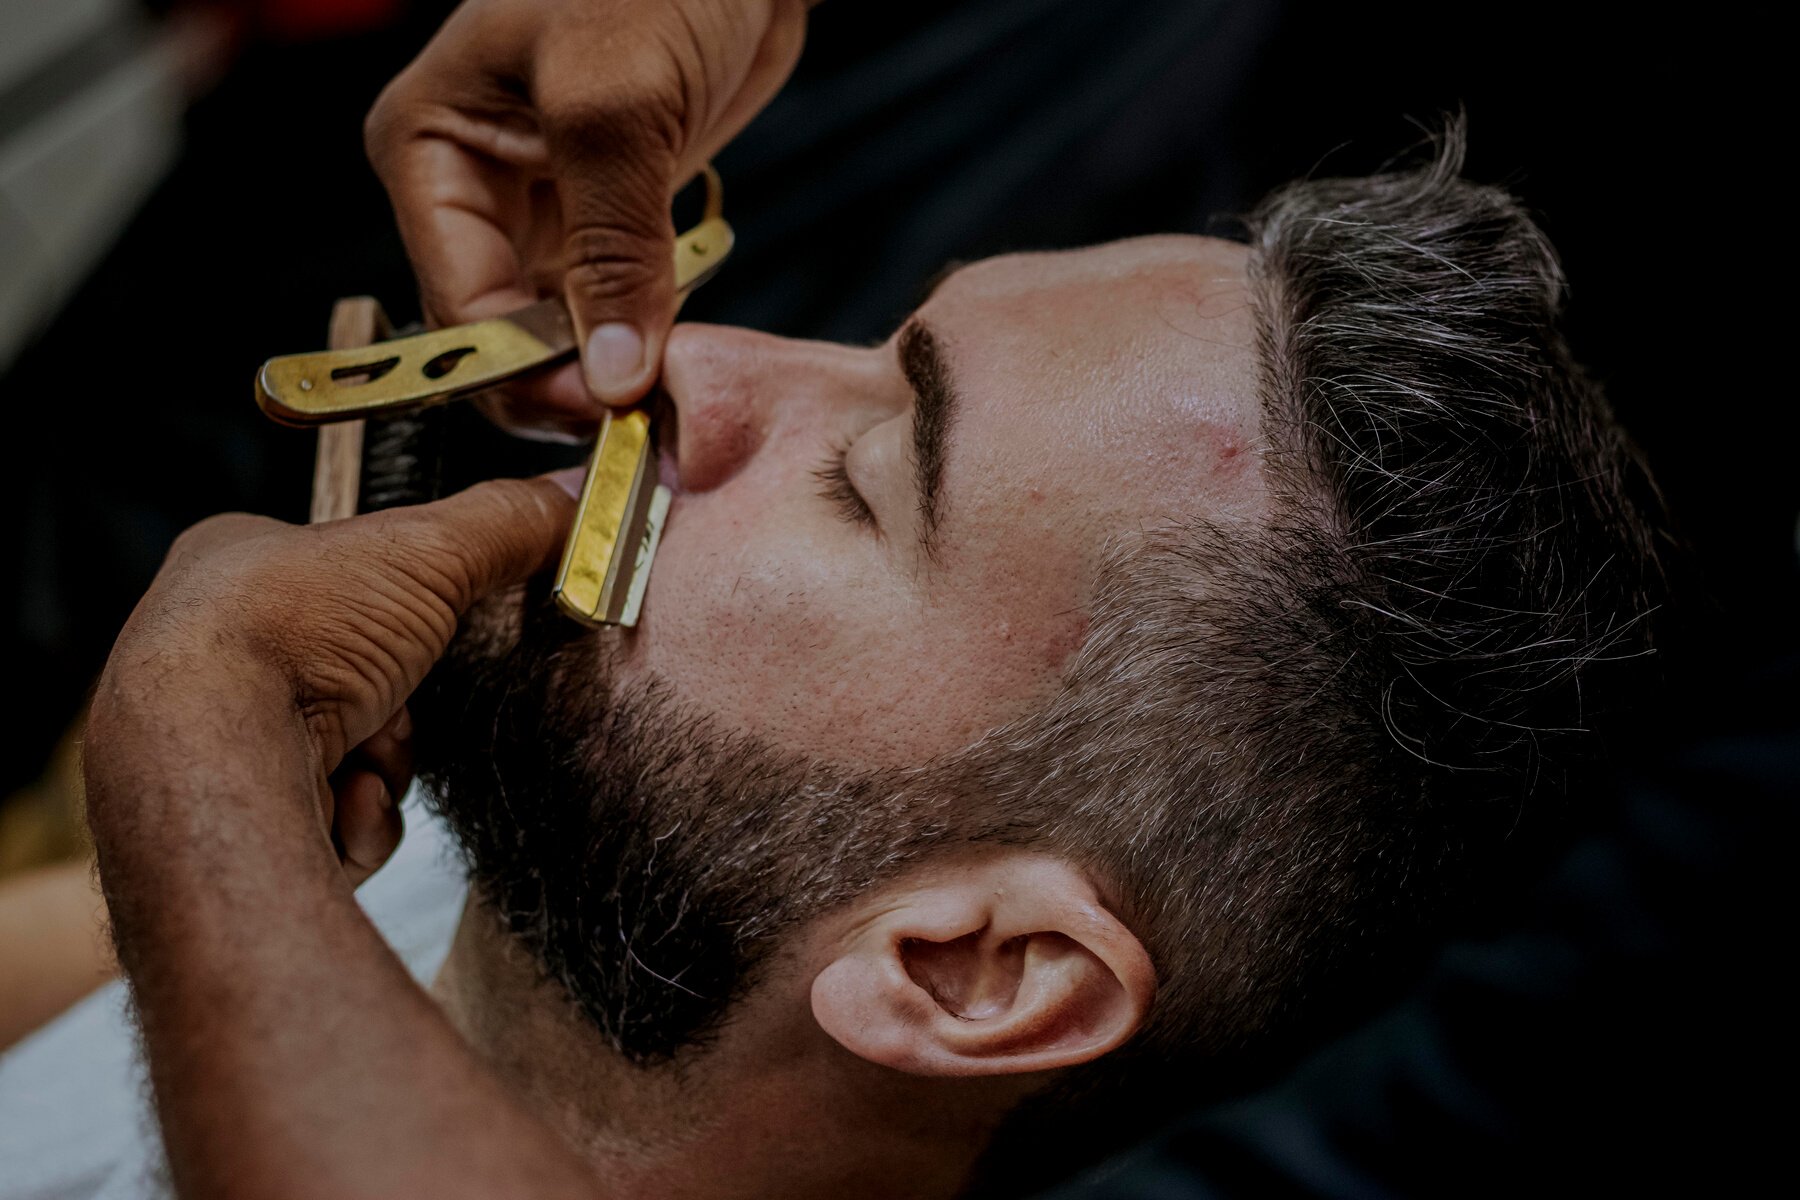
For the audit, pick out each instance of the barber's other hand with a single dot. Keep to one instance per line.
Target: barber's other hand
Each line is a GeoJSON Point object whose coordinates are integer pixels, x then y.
{"type": "Point", "coordinates": [536, 145]}
{"type": "Point", "coordinates": [321, 630]}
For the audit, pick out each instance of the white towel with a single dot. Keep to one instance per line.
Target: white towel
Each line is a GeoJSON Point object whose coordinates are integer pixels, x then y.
{"type": "Point", "coordinates": [75, 1118]}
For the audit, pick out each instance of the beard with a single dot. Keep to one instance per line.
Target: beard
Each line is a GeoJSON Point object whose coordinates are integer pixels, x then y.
{"type": "Point", "coordinates": [647, 860]}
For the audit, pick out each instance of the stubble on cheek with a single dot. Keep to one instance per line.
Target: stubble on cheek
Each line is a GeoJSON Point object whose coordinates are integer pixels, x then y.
{"type": "Point", "coordinates": [769, 654]}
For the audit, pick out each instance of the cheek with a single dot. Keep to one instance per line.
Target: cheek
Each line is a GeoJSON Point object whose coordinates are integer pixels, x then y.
{"type": "Point", "coordinates": [774, 635]}
{"type": "Point", "coordinates": [731, 598]}
{"type": "Point", "coordinates": [1025, 652]}
{"type": "Point", "coordinates": [822, 651]}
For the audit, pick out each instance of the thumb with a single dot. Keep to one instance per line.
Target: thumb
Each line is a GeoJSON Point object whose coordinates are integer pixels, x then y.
{"type": "Point", "coordinates": [615, 179]}
{"type": "Point", "coordinates": [482, 539]}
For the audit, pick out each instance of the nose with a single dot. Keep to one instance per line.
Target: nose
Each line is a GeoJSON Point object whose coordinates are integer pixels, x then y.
{"type": "Point", "coordinates": [732, 388]}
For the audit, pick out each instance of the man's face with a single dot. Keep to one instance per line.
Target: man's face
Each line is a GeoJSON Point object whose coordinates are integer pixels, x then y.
{"type": "Point", "coordinates": [1074, 396]}
{"type": "Point", "coordinates": [650, 813]}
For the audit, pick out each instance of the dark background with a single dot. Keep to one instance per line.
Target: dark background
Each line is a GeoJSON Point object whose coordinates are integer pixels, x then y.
{"type": "Point", "coordinates": [936, 131]}
{"type": "Point", "coordinates": [1613, 1034]}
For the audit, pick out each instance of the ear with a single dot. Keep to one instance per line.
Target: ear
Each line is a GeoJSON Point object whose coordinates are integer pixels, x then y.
{"type": "Point", "coordinates": [1003, 965]}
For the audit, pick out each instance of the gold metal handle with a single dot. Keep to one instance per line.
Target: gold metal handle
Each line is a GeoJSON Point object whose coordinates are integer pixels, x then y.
{"type": "Point", "coordinates": [442, 364]}
{"type": "Point", "coordinates": [410, 372]}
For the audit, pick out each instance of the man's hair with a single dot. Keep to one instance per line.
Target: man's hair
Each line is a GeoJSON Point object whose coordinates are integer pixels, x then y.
{"type": "Point", "coordinates": [1280, 745]}
{"type": "Point", "coordinates": [1287, 748]}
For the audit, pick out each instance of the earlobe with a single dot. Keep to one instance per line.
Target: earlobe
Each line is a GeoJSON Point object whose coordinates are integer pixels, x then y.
{"type": "Point", "coordinates": [1003, 966]}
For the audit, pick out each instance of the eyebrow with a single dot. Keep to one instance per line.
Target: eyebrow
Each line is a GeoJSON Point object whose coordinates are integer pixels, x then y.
{"type": "Point", "coordinates": [935, 402]}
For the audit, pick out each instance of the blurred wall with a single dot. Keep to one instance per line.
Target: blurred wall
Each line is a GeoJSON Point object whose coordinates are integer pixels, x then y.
{"type": "Point", "coordinates": [90, 111]}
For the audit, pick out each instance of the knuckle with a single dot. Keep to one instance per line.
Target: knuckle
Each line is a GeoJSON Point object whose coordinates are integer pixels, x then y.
{"type": "Point", "coordinates": [620, 190]}
{"type": "Point", "coordinates": [384, 126]}
{"type": "Point", "coordinates": [206, 538]}
{"type": "Point", "coordinates": [639, 105]}
{"type": "Point", "coordinates": [619, 123]}
{"type": "Point", "coordinates": [519, 509]}
{"type": "Point", "coordinates": [377, 139]}
{"type": "Point", "coordinates": [606, 265]}
{"type": "Point", "coordinates": [188, 543]}
{"type": "Point", "coordinates": [511, 500]}
{"type": "Point", "coordinates": [427, 574]}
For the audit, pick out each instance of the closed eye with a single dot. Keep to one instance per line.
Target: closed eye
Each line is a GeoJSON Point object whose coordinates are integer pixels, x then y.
{"type": "Point", "coordinates": [835, 486]}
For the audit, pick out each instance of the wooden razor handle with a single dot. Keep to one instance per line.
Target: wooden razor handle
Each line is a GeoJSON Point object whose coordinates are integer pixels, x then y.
{"type": "Point", "coordinates": [356, 322]}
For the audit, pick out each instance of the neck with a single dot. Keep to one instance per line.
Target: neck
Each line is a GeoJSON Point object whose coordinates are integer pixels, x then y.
{"type": "Point", "coordinates": [773, 1107]}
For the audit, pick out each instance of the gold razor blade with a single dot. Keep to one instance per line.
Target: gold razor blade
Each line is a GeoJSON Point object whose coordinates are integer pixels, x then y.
{"type": "Point", "coordinates": [618, 521]}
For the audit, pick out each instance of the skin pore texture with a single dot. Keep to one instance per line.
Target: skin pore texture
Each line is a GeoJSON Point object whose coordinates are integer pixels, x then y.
{"type": "Point", "coordinates": [794, 636]}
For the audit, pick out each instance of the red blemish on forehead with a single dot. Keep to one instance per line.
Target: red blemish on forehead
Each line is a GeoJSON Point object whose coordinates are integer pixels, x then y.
{"type": "Point", "coordinates": [1224, 445]}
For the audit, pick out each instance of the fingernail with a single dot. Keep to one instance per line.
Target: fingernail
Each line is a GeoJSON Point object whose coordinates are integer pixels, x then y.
{"type": "Point", "coordinates": [615, 355]}
{"type": "Point", "coordinates": [570, 480]}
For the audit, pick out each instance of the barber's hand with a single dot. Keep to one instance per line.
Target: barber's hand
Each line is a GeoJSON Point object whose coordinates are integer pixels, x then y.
{"type": "Point", "coordinates": [324, 630]}
{"type": "Point", "coordinates": [536, 145]}
{"type": "Point", "coordinates": [291, 1053]}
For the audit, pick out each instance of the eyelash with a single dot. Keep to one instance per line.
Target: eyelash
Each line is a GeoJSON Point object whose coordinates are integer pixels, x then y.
{"type": "Point", "coordinates": [835, 486]}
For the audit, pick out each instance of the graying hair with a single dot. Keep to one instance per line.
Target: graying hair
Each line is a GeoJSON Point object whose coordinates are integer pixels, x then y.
{"type": "Point", "coordinates": [1282, 747]}
{"type": "Point", "coordinates": [1285, 749]}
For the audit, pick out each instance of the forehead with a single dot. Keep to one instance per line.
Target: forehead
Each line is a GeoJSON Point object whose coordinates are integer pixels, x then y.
{"type": "Point", "coordinates": [1179, 269]}
{"type": "Point", "coordinates": [1121, 378]}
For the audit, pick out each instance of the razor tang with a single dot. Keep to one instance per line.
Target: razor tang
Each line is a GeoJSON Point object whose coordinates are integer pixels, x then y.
{"type": "Point", "coordinates": [412, 372]}
{"type": "Point", "coordinates": [443, 364]}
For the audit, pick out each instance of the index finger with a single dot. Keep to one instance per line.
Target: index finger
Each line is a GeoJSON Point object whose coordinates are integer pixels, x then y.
{"type": "Point", "coordinates": [457, 212]}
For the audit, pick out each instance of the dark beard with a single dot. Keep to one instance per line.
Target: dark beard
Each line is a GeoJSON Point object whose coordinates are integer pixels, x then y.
{"type": "Point", "coordinates": [646, 859]}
